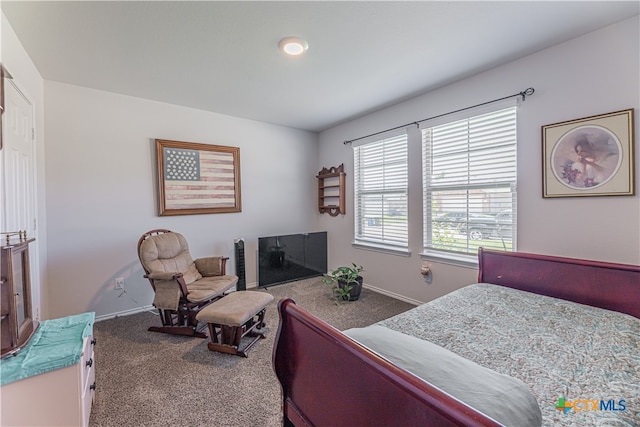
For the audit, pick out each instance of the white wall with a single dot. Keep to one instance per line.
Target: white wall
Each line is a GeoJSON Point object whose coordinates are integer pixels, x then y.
{"type": "Point", "coordinates": [100, 182]}
{"type": "Point", "coordinates": [100, 179]}
{"type": "Point", "coordinates": [101, 191]}
{"type": "Point", "coordinates": [28, 80]}
{"type": "Point", "coordinates": [590, 75]}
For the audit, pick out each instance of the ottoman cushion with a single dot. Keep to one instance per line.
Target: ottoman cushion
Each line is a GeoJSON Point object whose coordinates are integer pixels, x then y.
{"type": "Point", "coordinates": [235, 309]}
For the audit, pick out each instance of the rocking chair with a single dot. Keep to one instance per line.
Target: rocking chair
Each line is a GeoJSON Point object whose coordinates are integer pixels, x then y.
{"type": "Point", "coordinates": [182, 286]}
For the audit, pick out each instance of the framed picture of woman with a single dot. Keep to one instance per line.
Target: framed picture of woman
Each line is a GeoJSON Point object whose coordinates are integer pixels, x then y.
{"type": "Point", "coordinates": [592, 156]}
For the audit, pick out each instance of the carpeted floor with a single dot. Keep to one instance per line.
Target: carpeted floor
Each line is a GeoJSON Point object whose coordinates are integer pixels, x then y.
{"type": "Point", "coordinates": [151, 379]}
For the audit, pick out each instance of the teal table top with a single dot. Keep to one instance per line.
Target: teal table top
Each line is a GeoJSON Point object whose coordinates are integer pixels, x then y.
{"type": "Point", "coordinates": [56, 344]}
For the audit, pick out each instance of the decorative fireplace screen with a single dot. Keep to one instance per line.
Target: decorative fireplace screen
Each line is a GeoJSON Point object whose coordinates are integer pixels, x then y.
{"type": "Point", "coordinates": [286, 258]}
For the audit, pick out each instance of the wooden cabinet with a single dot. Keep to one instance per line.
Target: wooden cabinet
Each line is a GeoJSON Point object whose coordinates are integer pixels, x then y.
{"type": "Point", "coordinates": [331, 198]}
{"type": "Point", "coordinates": [51, 382]}
{"type": "Point", "coordinates": [16, 322]}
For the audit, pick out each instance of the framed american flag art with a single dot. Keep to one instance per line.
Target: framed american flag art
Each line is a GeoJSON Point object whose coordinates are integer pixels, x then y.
{"type": "Point", "coordinates": [197, 178]}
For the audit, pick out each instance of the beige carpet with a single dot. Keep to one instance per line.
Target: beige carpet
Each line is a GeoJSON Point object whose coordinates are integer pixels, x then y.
{"type": "Point", "coordinates": [152, 379]}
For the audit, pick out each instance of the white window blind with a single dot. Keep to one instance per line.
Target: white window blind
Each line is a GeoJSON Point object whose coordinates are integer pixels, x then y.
{"type": "Point", "coordinates": [469, 174]}
{"type": "Point", "coordinates": [380, 191]}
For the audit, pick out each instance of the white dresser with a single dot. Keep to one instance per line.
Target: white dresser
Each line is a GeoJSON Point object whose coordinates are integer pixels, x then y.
{"type": "Point", "coordinates": [61, 396]}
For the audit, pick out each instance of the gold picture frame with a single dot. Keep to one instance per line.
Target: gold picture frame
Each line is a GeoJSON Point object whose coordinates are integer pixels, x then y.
{"type": "Point", "coordinates": [592, 156]}
{"type": "Point", "coordinates": [197, 178]}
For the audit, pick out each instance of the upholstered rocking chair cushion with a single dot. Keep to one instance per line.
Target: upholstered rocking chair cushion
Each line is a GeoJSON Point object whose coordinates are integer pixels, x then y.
{"type": "Point", "coordinates": [203, 289]}
{"type": "Point", "coordinates": [169, 253]}
{"type": "Point", "coordinates": [209, 266]}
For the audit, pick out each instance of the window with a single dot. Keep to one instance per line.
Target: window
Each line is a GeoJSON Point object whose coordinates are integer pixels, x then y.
{"type": "Point", "coordinates": [380, 190]}
{"type": "Point", "coordinates": [469, 181]}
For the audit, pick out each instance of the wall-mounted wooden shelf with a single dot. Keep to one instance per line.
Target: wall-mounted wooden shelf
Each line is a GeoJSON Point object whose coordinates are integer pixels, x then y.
{"type": "Point", "coordinates": [331, 182]}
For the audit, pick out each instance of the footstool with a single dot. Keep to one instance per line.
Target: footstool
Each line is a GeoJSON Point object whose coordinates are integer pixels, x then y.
{"type": "Point", "coordinates": [233, 317]}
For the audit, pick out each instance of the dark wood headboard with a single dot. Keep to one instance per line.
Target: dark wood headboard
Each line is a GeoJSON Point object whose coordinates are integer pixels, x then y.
{"type": "Point", "coordinates": [600, 284]}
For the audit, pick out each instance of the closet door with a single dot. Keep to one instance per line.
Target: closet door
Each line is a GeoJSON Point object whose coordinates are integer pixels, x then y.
{"type": "Point", "coordinates": [19, 173]}
{"type": "Point", "coordinates": [19, 164]}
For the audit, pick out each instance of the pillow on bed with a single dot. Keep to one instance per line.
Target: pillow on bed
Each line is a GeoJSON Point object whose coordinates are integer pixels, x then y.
{"type": "Point", "coordinates": [501, 397]}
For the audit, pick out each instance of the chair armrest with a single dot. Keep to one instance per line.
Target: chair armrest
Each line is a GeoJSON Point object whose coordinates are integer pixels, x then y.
{"type": "Point", "coordinates": [158, 275]}
{"type": "Point", "coordinates": [212, 266]}
{"type": "Point", "coordinates": [167, 277]}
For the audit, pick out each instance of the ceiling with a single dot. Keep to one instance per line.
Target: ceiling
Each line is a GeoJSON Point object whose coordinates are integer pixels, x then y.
{"type": "Point", "coordinates": [223, 56]}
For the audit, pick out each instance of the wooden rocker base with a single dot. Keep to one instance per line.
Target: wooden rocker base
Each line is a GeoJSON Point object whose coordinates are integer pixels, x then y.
{"type": "Point", "coordinates": [233, 348]}
{"type": "Point", "coordinates": [226, 339]}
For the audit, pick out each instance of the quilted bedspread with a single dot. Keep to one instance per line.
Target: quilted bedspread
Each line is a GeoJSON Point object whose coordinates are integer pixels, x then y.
{"type": "Point", "coordinates": [581, 363]}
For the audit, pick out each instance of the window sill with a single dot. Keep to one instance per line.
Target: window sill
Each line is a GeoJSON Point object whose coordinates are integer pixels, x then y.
{"type": "Point", "coordinates": [381, 248]}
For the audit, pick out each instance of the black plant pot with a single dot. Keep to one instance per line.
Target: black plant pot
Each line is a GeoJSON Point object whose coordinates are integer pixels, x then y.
{"type": "Point", "coordinates": [356, 288]}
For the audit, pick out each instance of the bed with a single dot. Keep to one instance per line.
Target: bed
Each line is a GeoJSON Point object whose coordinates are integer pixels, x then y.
{"type": "Point", "coordinates": [561, 331]}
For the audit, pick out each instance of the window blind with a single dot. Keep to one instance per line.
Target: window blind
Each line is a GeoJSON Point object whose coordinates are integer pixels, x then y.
{"type": "Point", "coordinates": [469, 181]}
{"type": "Point", "coordinates": [380, 192]}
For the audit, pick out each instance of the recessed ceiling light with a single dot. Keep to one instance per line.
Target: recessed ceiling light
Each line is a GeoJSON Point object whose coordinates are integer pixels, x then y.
{"type": "Point", "coordinates": [293, 46]}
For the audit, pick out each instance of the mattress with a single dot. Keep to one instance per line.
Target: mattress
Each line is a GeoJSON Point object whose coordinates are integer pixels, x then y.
{"type": "Point", "coordinates": [581, 363]}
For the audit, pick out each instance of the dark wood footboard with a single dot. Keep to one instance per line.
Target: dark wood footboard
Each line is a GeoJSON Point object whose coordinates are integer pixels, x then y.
{"type": "Point", "coordinates": [330, 380]}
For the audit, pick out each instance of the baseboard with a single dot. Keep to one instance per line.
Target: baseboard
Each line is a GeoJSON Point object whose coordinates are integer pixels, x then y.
{"type": "Point", "coordinates": [392, 294]}
{"type": "Point", "coordinates": [253, 285]}
{"type": "Point", "coordinates": [125, 313]}
{"type": "Point", "coordinates": [371, 288]}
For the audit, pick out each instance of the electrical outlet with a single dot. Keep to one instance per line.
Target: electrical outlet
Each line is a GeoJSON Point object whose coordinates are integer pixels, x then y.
{"type": "Point", "coordinates": [119, 282]}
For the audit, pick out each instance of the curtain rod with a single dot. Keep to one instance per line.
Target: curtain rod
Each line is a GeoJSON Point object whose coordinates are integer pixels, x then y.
{"type": "Point", "coordinates": [523, 94]}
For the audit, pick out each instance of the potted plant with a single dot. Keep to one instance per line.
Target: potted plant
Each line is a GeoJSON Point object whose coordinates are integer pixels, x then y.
{"type": "Point", "coordinates": [346, 281]}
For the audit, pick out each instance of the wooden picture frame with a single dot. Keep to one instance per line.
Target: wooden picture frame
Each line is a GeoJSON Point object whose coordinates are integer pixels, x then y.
{"type": "Point", "coordinates": [592, 156]}
{"type": "Point", "coordinates": [197, 178]}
